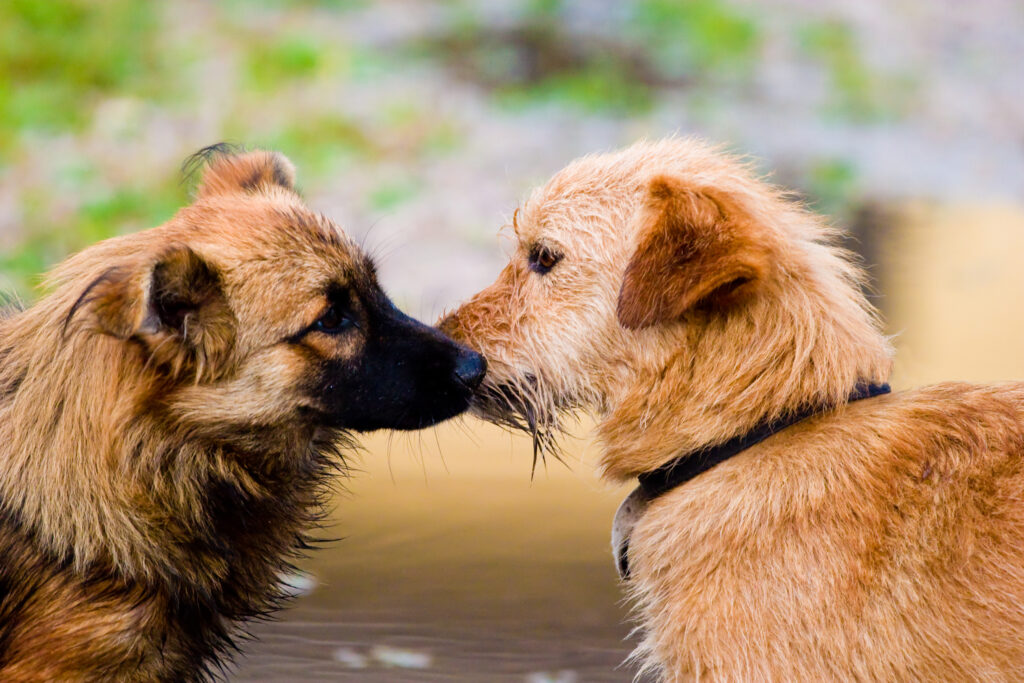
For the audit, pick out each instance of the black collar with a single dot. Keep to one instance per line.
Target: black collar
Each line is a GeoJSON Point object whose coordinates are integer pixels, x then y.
{"type": "Point", "coordinates": [684, 468]}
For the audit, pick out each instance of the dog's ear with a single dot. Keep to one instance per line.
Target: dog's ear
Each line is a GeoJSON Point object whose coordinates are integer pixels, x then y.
{"type": "Point", "coordinates": [248, 172]}
{"type": "Point", "coordinates": [174, 305]}
{"type": "Point", "coordinates": [696, 246]}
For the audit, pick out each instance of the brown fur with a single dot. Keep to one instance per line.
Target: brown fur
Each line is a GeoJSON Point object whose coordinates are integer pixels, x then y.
{"type": "Point", "coordinates": [881, 540]}
{"type": "Point", "coordinates": [163, 453]}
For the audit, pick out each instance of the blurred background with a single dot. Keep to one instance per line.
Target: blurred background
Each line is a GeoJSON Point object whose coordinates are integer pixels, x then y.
{"type": "Point", "coordinates": [418, 125]}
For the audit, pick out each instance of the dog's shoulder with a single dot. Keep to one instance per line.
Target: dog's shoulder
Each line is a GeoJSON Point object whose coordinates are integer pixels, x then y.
{"type": "Point", "coordinates": [970, 416]}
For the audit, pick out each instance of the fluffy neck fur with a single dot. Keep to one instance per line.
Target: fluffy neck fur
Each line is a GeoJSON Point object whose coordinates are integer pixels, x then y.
{"type": "Point", "coordinates": [807, 339]}
{"type": "Point", "coordinates": [102, 475]}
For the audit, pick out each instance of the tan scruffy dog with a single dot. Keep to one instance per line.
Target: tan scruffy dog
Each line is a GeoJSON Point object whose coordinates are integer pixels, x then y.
{"type": "Point", "coordinates": [784, 529]}
{"type": "Point", "coordinates": [170, 414]}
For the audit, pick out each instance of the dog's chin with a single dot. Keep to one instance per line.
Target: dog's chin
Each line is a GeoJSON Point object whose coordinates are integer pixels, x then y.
{"type": "Point", "coordinates": [430, 419]}
{"type": "Point", "coordinates": [400, 418]}
{"type": "Point", "coordinates": [510, 405]}
{"type": "Point", "coordinates": [504, 405]}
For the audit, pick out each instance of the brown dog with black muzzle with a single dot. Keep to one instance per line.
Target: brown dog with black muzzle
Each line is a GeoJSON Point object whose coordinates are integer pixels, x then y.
{"type": "Point", "coordinates": [171, 414]}
{"type": "Point", "coordinates": [795, 520]}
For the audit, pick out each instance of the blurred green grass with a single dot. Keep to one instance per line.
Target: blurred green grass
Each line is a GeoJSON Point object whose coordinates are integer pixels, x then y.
{"type": "Point", "coordinates": [858, 92]}
{"type": "Point", "coordinates": [58, 56]}
{"type": "Point", "coordinates": [699, 36]}
{"type": "Point", "coordinates": [70, 68]}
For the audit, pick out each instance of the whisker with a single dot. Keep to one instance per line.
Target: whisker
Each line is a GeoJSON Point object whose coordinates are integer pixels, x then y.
{"type": "Point", "coordinates": [391, 471]}
{"type": "Point", "coordinates": [440, 451]}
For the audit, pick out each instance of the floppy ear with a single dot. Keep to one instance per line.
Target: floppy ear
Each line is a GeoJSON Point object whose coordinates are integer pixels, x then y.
{"type": "Point", "coordinates": [248, 172]}
{"type": "Point", "coordinates": [696, 247]}
{"type": "Point", "coordinates": [174, 305]}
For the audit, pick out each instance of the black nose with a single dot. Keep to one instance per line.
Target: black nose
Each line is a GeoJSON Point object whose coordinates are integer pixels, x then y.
{"type": "Point", "coordinates": [470, 368]}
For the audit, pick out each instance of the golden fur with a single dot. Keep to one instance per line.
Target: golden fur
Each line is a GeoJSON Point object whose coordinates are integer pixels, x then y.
{"type": "Point", "coordinates": [690, 302]}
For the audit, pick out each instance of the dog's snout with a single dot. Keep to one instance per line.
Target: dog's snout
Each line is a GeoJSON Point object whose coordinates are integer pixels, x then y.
{"type": "Point", "coordinates": [470, 368]}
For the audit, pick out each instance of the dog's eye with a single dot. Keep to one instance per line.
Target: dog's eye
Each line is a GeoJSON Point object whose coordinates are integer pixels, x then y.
{"type": "Point", "coordinates": [543, 259]}
{"type": "Point", "coordinates": [334, 321]}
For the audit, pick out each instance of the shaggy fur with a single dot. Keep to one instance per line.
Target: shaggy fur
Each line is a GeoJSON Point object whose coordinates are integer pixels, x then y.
{"type": "Point", "coordinates": [684, 302]}
{"type": "Point", "coordinates": [169, 415]}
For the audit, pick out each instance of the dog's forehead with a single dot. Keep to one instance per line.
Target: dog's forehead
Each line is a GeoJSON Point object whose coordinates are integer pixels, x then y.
{"type": "Point", "coordinates": [596, 197]}
{"type": "Point", "coordinates": [587, 205]}
{"type": "Point", "coordinates": [249, 233]}
{"type": "Point", "coordinates": [306, 250]}
{"type": "Point", "coordinates": [281, 255]}
{"type": "Point", "coordinates": [293, 226]}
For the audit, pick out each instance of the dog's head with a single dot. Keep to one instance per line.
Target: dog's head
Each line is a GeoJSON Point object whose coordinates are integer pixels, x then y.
{"type": "Point", "coordinates": [675, 296]}
{"type": "Point", "coordinates": [190, 383]}
{"type": "Point", "coordinates": [248, 310]}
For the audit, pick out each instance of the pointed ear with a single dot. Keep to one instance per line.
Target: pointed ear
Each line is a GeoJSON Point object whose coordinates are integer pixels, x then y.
{"type": "Point", "coordinates": [174, 305]}
{"type": "Point", "coordinates": [696, 246]}
{"type": "Point", "coordinates": [248, 172]}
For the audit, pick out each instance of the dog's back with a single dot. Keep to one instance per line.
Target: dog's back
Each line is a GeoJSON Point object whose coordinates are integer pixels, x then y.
{"type": "Point", "coordinates": [881, 541]}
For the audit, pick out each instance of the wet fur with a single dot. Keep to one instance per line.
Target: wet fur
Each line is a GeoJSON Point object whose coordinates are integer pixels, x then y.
{"type": "Point", "coordinates": [883, 540]}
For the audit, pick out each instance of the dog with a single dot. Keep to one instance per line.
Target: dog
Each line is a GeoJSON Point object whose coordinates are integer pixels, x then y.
{"type": "Point", "coordinates": [795, 520]}
{"type": "Point", "coordinates": [171, 413]}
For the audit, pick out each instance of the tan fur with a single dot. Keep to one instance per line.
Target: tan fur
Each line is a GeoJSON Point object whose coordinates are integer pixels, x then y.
{"type": "Point", "coordinates": [92, 427]}
{"type": "Point", "coordinates": [881, 540]}
{"type": "Point", "coordinates": [160, 456]}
